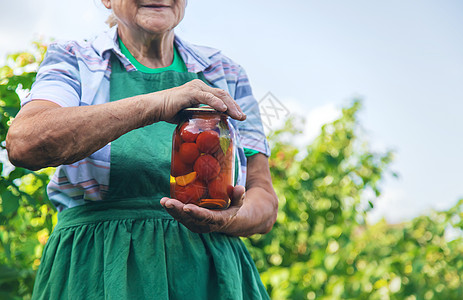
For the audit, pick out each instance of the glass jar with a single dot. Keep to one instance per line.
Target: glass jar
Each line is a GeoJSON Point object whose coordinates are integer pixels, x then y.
{"type": "Point", "coordinates": [202, 167]}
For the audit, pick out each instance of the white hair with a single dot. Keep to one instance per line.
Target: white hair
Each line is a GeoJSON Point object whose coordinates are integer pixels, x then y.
{"type": "Point", "coordinates": [111, 20]}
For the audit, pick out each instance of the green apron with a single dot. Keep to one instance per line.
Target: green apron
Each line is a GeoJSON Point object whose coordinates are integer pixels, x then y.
{"type": "Point", "coordinates": [128, 246]}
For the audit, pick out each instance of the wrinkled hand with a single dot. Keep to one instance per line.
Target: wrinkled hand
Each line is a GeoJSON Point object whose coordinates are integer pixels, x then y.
{"type": "Point", "coordinates": [192, 94]}
{"type": "Point", "coordinates": [203, 220]}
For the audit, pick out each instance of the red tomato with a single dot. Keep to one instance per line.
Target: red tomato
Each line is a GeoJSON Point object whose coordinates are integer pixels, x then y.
{"type": "Point", "coordinates": [189, 133]}
{"type": "Point", "coordinates": [217, 189]}
{"type": "Point", "coordinates": [220, 156]}
{"type": "Point", "coordinates": [207, 167]}
{"type": "Point", "coordinates": [188, 152]}
{"type": "Point", "coordinates": [172, 189]}
{"type": "Point", "coordinates": [177, 141]}
{"type": "Point", "coordinates": [208, 141]}
{"type": "Point", "coordinates": [190, 193]}
{"type": "Point", "coordinates": [178, 167]}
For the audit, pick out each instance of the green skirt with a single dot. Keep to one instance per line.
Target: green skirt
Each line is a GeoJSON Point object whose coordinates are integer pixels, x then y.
{"type": "Point", "coordinates": [133, 249]}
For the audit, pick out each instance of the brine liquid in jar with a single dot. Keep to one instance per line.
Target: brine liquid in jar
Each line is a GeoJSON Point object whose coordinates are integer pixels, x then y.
{"type": "Point", "coordinates": [203, 161]}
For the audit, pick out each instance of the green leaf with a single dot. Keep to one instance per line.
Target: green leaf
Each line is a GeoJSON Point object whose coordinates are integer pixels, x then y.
{"type": "Point", "coordinates": [16, 173]}
{"type": "Point", "coordinates": [31, 200]}
{"type": "Point", "coordinates": [12, 111]}
{"type": "Point", "coordinates": [224, 137]}
{"type": "Point", "coordinates": [331, 261]}
{"type": "Point", "coordinates": [8, 274]}
{"type": "Point", "coordinates": [10, 202]}
{"type": "Point", "coordinates": [224, 144]}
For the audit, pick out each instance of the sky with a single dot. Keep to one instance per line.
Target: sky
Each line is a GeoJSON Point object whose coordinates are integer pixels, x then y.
{"type": "Point", "coordinates": [403, 59]}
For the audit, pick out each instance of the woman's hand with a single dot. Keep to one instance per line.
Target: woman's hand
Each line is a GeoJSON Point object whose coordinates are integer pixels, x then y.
{"type": "Point", "coordinates": [252, 212]}
{"type": "Point", "coordinates": [203, 220]}
{"type": "Point", "coordinates": [192, 94]}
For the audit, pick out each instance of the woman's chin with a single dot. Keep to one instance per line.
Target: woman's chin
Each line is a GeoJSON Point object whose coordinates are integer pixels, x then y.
{"type": "Point", "coordinates": [156, 25]}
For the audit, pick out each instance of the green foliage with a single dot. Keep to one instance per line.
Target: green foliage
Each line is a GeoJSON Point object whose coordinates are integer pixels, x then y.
{"type": "Point", "coordinates": [321, 246]}
{"type": "Point", "coordinates": [26, 218]}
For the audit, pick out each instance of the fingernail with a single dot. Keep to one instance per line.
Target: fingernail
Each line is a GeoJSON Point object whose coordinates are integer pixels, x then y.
{"type": "Point", "coordinates": [169, 204]}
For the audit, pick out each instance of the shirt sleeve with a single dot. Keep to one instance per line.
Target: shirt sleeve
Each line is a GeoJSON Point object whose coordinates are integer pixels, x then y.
{"type": "Point", "coordinates": [58, 78]}
{"type": "Point", "coordinates": [251, 131]}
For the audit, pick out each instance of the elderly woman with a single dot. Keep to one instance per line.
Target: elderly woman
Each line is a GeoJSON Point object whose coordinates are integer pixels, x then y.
{"type": "Point", "coordinates": [102, 111]}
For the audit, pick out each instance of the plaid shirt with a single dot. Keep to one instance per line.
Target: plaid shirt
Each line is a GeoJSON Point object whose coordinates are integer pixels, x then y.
{"type": "Point", "coordinates": [78, 74]}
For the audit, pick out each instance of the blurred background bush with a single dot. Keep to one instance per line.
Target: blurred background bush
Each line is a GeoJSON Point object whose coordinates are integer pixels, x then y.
{"type": "Point", "coordinates": [321, 247]}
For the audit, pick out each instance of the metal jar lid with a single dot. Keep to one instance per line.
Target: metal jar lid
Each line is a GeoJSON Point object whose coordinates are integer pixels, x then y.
{"type": "Point", "coordinates": [202, 109]}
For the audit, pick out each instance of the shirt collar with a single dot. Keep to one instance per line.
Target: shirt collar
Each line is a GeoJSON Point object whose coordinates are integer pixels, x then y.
{"type": "Point", "coordinates": [196, 58]}
{"type": "Point", "coordinates": [106, 41]}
